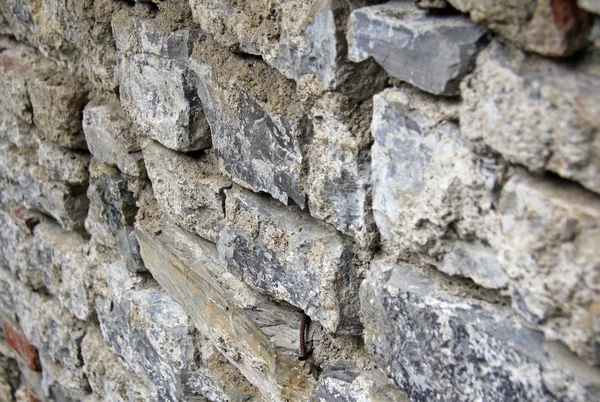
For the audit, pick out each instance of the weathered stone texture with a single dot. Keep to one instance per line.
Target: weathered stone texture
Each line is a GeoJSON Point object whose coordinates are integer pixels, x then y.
{"type": "Point", "coordinates": [111, 138]}
{"type": "Point", "coordinates": [491, 355]}
{"type": "Point", "coordinates": [551, 121]}
{"type": "Point", "coordinates": [66, 165]}
{"type": "Point", "coordinates": [189, 269]}
{"type": "Point", "coordinates": [258, 127]}
{"type": "Point", "coordinates": [188, 189]}
{"type": "Point", "coordinates": [159, 93]}
{"type": "Point", "coordinates": [292, 257]}
{"type": "Point", "coordinates": [590, 5]}
{"type": "Point", "coordinates": [549, 27]}
{"type": "Point", "coordinates": [16, 130]}
{"type": "Point", "coordinates": [430, 52]}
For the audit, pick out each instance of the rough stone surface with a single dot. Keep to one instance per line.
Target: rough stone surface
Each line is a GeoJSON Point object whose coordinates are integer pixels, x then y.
{"type": "Point", "coordinates": [309, 37]}
{"type": "Point", "coordinates": [590, 5]}
{"type": "Point", "coordinates": [483, 343]}
{"type": "Point", "coordinates": [549, 27]}
{"type": "Point", "coordinates": [347, 383]}
{"type": "Point", "coordinates": [551, 121]}
{"type": "Point", "coordinates": [16, 130]}
{"type": "Point", "coordinates": [23, 181]}
{"type": "Point", "coordinates": [258, 127]}
{"type": "Point", "coordinates": [110, 137]}
{"type": "Point", "coordinates": [66, 165]}
{"type": "Point", "coordinates": [188, 189]}
{"type": "Point", "coordinates": [264, 358]}
{"type": "Point", "coordinates": [432, 53]}
{"type": "Point", "coordinates": [160, 93]}
{"type": "Point", "coordinates": [291, 257]}
{"type": "Point", "coordinates": [430, 191]}
{"type": "Point", "coordinates": [112, 213]}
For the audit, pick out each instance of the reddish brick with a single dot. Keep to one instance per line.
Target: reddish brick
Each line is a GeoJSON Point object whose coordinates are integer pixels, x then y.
{"type": "Point", "coordinates": [17, 340]}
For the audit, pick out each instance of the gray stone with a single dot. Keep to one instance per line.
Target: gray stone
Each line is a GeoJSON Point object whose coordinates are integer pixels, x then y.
{"type": "Point", "coordinates": [188, 189]}
{"type": "Point", "coordinates": [110, 137]}
{"type": "Point", "coordinates": [4, 30]}
{"type": "Point", "coordinates": [431, 52]}
{"type": "Point", "coordinates": [261, 343]}
{"type": "Point", "coordinates": [431, 194]}
{"type": "Point", "coordinates": [551, 28]}
{"type": "Point", "coordinates": [112, 213]}
{"type": "Point", "coordinates": [16, 130]}
{"type": "Point", "coordinates": [551, 121]}
{"type": "Point", "coordinates": [339, 179]}
{"type": "Point", "coordinates": [59, 256]}
{"type": "Point", "coordinates": [24, 182]}
{"type": "Point", "coordinates": [66, 165]}
{"type": "Point", "coordinates": [431, 4]}
{"type": "Point", "coordinates": [61, 383]}
{"type": "Point", "coordinates": [287, 254]}
{"type": "Point", "coordinates": [310, 39]}
{"type": "Point", "coordinates": [159, 93]}
{"type": "Point", "coordinates": [546, 244]}
{"type": "Point", "coordinates": [258, 127]}
{"type": "Point", "coordinates": [108, 376]}
{"type": "Point", "coordinates": [343, 382]}
{"type": "Point", "coordinates": [590, 5]}
{"type": "Point", "coordinates": [437, 341]}
{"type": "Point", "coordinates": [152, 334]}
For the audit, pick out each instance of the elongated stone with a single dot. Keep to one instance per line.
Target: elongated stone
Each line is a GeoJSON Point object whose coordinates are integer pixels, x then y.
{"type": "Point", "coordinates": [433, 53]}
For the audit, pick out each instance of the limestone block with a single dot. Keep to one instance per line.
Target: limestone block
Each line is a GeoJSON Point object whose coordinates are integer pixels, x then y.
{"type": "Point", "coordinates": [549, 230]}
{"type": "Point", "coordinates": [555, 28]}
{"type": "Point", "coordinates": [590, 5]}
{"type": "Point", "coordinates": [463, 348]}
{"type": "Point", "coordinates": [188, 189]}
{"type": "Point", "coordinates": [551, 121]}
{"type": "Point", "coordinates": [258, 127]}
{"type": "Point", "coordinates": [108, 376]}
{"type": "Point", "coordinates": [110, 137]}
{"type": "Point", "coordinates": [57, 102]}
{"type": "Point", "coordinates": [66, 165]}
{"type": "Point", "coordinates": [256, 335]}
{"type": "Point", "coordinates": [289, 255]}
{"type": "Point", "coordinates": [16, 130]}
{"type": "Point", "coordinates": [18, 64]}
{"type": "Point", "coordinates": [65, 271]}
{"type": "Point", "coordinates": [339, 179]}
{"type": "Point", "coordinates": [427, 183]}
{"type": "Point", "coordinates": [345, 382]}
{"type": "Point", "coordinates": [112, 213]}
{"type": "Point", "coordinates": [297, 37]}
{"type": "Point", "coordinates": [23, 181]}
{"type": "Point", "coordinates": [431, 52]}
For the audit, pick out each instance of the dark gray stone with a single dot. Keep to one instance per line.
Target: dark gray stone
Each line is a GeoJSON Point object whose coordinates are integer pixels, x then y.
{"type": "Point", "coordinates": [441, 341]}
{"type": "Point", "coordinates": [286, 253]}
{"type": "Point", "coordinates": [431, 52]}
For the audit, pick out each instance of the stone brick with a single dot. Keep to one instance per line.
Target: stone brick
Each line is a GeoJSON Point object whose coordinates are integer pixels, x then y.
{"type": "Point", "coordinates": [431, 194]}
{"type": "Point", "coordinates": [188, 189]}
{"type": "Point", "coordinates": [551, 121]}
{"type": "Point", "coordinates": [112, 213]}
{"type": "Point", "coordinates": [57, 102]}
{"type": "Point", "coordinates": [309, 37]}
{"type": "Point", "coordinates": [16, 130]}
{"type": "Point", "coordinates": [261, 344]}
{"type": "Point", "coordinates": [66, 165]}
{"type": "Point", "coordinates": [23, 181]}
{"type": "Point", "coordinates": [258, 127]}
{"type": "Point", "coordinates": [549, 27]}
{"type": "Point", "coordinates": [160, 93]}
{"type": "Point", "coordinates": [17, 340]}
{"type": "Point", "coordinates": [345, 382]}
{"type": "Point", "coordinates": [546, 246]}
{"type": "Point", "coordinates": [111, 138]}
{"type": "Point", "coordinates": [431, 52]}
{"type": "Point", "coordinates": [339, 179]}
{"type": "Point", "coordinates": [438, 340]}
{"type": "Point", "coordinates": [287, 254]}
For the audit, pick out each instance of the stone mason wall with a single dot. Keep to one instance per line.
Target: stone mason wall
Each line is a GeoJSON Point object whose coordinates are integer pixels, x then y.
{"type": "Point", "coordinates": [181, 180]}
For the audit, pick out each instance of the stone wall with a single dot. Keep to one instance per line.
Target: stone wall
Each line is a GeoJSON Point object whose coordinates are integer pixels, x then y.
{"type": "Point", "coordinates": [181, 181]}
